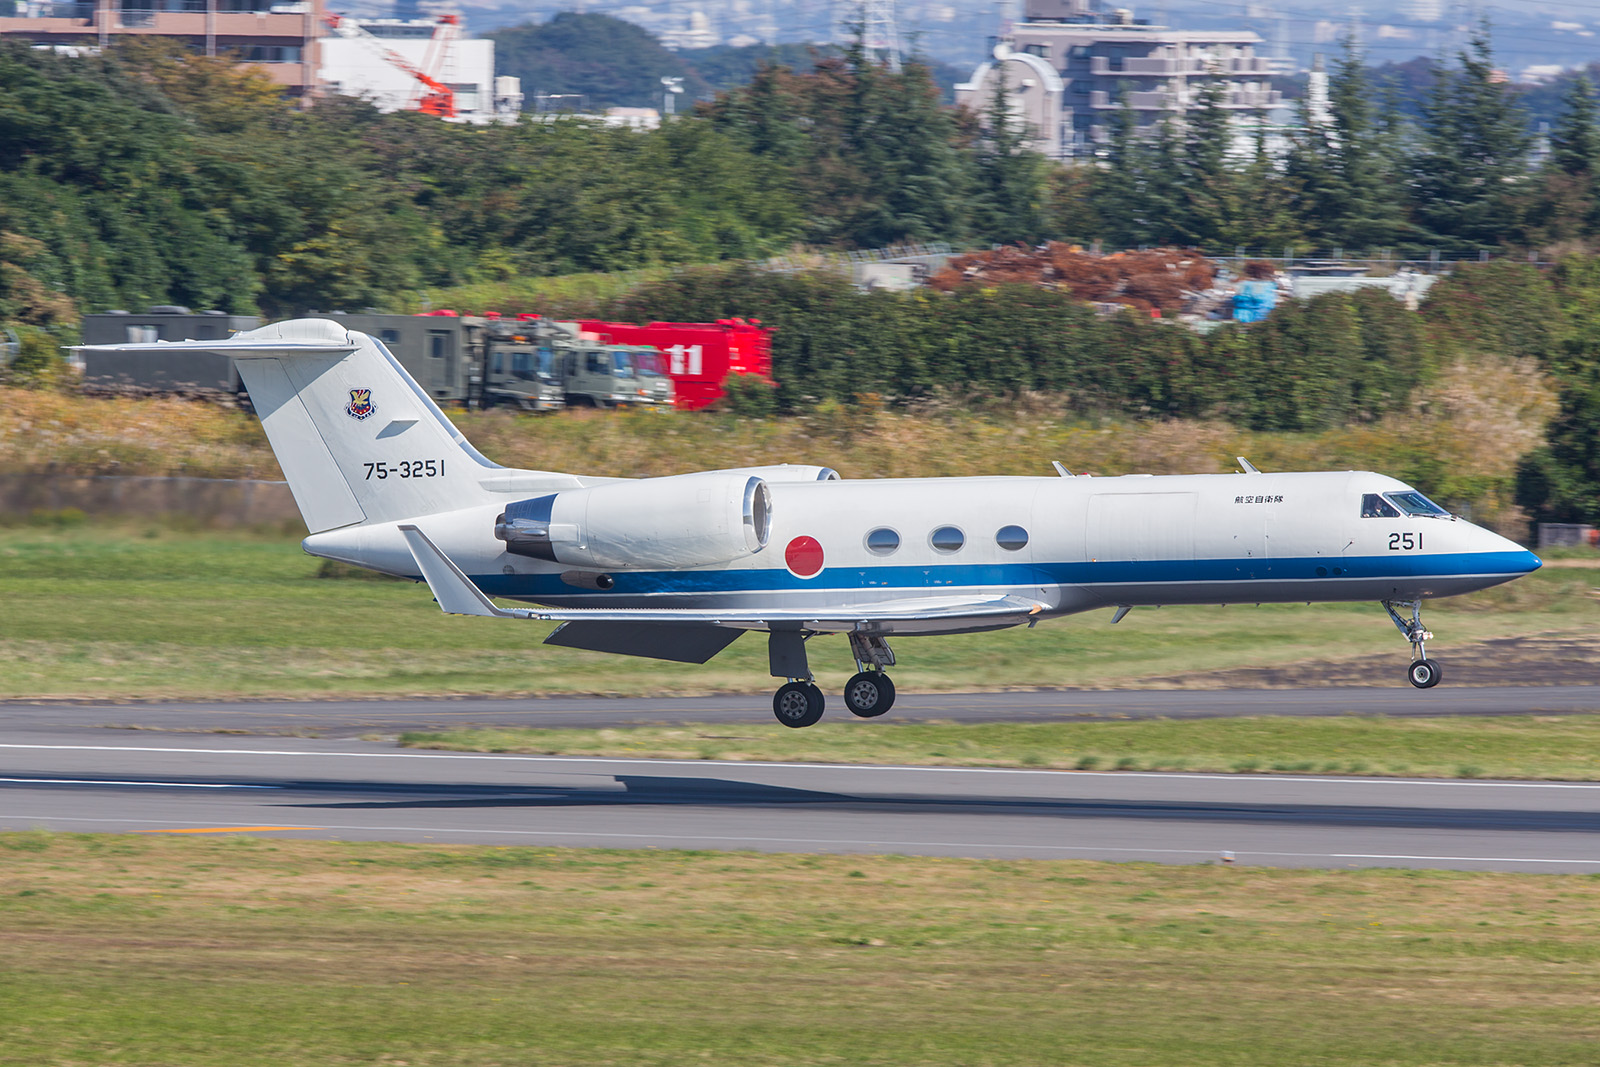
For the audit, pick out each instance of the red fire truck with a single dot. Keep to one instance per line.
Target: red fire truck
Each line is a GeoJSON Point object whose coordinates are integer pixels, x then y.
{"type": "Point", "coordinates": [699, 356]}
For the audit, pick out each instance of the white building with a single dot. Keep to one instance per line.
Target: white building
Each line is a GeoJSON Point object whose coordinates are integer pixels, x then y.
{"type": "Point", "coordinates": [1068, 66]}
{"type": "Point", "coordinates": [358, 66]}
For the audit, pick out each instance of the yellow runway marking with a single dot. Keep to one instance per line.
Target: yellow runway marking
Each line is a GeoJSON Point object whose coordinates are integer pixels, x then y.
{"type": "Point", "coordinates": [227, 829]}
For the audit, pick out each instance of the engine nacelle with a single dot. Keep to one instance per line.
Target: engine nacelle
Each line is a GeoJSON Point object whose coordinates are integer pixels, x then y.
{"type": "Point", "coordinates": [689, 520]}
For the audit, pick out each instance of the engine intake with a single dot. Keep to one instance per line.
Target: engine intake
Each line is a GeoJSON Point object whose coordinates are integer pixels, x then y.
{"type": "Point", "coordinates": [689, 520]}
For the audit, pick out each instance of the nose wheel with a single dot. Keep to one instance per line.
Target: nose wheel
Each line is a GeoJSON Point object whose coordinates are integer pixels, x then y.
{"type": "Point", "coordinates": [1423, 673]}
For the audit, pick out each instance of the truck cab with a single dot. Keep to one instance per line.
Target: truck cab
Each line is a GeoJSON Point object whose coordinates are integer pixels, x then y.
{"type": "Point", "coordinates": [523, 369]}
{"type": "Point", "coordinates": [606, 375]}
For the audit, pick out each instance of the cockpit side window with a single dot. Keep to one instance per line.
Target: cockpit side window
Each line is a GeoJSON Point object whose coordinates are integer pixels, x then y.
{"type": "Point", "coordinates": [1374, 506]}
{"type": "Point", "coordinates": [1414, 503]}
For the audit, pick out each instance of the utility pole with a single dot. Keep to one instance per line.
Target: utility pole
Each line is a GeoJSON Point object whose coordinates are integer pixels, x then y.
{"type": "Point", "coordinates": [674, 87]}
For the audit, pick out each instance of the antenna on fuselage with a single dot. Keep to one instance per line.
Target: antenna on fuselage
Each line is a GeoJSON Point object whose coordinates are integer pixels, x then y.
{"type": "Point", "coordinates": [1249, 468]}
{"type": "Point", "coordinates": [1060, 469]}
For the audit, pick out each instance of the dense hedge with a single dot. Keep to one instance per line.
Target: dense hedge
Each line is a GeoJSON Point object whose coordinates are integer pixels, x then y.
{"type": "Point", "coordinates": [1311, 365]}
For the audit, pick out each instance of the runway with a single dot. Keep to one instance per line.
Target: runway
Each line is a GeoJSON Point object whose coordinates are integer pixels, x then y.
{"type": "Point", "coordinates": [360, 718]}
{"type": "Point", "coordinates": [348, 789]}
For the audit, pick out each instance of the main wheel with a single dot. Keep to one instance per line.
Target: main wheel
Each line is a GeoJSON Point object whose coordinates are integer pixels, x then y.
{"type": "Point", "coordinates": [869, 694]}
{"type": "Point", "coordinates": [798, 704]}
{"type": "Point", "coordinates": [1424, 673]}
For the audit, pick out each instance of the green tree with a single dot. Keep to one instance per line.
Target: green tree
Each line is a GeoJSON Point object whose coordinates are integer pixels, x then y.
{"type": "Point", "coordinates": [1560, 482]}
{"type": "Point", "coordinates": [871, 156]}
{"type": "Point", "coordinates": [1564, 205]}
{"type": "Point", "coordinates": [1208, 212]}
{"type": "Point", "coordinates": [1011, 178]}
{"type": "Point", "coordinates": [1140, 191]}
{"type": "Point", "coordinates": [1345, 172]}
{"type": "Point", "coordinates": [1466, 179]}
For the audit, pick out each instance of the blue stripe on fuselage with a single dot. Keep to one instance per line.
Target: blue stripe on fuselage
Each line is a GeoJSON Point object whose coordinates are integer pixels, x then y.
{"type": "Point", "coordinates": [919, 578]}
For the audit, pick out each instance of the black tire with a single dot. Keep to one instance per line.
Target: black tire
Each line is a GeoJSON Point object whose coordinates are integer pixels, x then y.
{"type": "Point", "coordinates": [798, 704]}
{"type": "Point", "coordinates": [869, 694]}
{"type": "Point", "coordinates": [1424, 673]}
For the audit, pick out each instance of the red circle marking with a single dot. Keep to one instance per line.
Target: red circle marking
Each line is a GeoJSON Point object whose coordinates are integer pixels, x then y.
{"type": "Point", "coordinates": [804, 556]}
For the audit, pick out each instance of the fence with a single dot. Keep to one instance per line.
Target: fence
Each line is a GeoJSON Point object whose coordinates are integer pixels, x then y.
{"type": "Point", "coordinates": [208, 502]}
{"type": "Point", "coordinates": [1567, 534]}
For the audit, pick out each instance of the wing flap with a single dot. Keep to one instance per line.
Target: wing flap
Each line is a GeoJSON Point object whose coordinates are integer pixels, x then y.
{"type": "Point", "coordinates": [688, 642]}
{"type": "Point", "coordinates": [830, 619]}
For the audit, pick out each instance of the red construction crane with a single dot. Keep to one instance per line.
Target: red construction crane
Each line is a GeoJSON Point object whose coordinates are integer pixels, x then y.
{"type": "Point", "coordinates": [439, 99]}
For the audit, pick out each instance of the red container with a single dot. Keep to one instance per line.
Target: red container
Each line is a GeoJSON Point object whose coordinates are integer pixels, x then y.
{"type": "Point", "coordinates": [699, 356]}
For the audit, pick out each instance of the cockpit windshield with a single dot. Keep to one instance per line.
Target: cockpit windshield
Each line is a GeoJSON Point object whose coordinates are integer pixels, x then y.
{"type": "Point", "coordinates": [1394, 505]}
{"type": "Point", "coordinates": [1414, 503]}
{"type": "Point", "coordinates": [1374, 506]}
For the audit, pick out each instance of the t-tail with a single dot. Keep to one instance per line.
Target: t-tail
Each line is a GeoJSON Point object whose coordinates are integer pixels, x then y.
{"type": "Point", "coordinates": [358, 440]}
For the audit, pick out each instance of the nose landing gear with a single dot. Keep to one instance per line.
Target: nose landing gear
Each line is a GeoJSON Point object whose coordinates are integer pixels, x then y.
{"type": "Point", "coordinates": [1423, 673]}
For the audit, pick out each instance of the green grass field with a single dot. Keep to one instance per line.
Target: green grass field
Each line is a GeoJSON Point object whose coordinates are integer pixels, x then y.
{"type": "Point", "coordinates": [100, 612]}
{"type": "Point", "coordinates": [175, 951]}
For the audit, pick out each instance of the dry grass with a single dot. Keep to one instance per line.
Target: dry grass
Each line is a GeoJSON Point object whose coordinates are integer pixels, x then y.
{"type": "Point", "coordinates": [44, 430]}
{"type": "Point", "coordinates": [1461, 441]}
{"type": "Point", "coordinates": [144, 950]}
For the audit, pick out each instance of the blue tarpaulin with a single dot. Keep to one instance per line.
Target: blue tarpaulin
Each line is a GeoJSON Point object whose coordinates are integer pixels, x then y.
{"type": "Point", "coordinates": [1254, 300]}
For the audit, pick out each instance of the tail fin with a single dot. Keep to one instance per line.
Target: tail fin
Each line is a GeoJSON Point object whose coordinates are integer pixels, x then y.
{"type": "Point", "coordinates": [357, 438]}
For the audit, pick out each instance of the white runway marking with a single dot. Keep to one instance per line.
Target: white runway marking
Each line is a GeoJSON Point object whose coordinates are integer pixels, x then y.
{"type": "Point", "coordinates": [636, 762]}
{"type": "Point", "coordinates": [112, 781]}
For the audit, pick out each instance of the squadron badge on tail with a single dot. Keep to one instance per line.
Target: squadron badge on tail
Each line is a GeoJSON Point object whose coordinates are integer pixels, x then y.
{"type": "Point", "coordinates": [361, 405]}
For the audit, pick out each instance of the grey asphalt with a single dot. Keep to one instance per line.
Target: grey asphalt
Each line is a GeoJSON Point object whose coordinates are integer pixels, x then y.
{"type": "Point", "coordinates": [359, 718]}
{"type": "Point", "coordinates": [58, 771]}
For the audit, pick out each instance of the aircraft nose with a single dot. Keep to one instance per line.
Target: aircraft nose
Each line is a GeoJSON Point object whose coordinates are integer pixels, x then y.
{"type": "Point", "coordinates": [1511, 557]}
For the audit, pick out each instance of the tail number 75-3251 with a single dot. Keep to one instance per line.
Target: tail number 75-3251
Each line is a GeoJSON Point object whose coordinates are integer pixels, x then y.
{"type": "Point", "coordinates": [407, 468]}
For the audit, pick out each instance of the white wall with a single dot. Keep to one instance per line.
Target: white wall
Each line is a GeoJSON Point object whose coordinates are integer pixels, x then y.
{"type": "Point", "coordinates": [355, 67]}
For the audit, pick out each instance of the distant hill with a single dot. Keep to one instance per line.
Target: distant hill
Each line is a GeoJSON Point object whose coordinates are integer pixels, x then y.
{"type": "Point", "coordinates": [610, 63]}
{"type": "Point", "coordinates": [613, 63]}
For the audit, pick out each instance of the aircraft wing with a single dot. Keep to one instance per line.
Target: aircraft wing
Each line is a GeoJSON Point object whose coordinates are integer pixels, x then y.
{"type": "Point", "coordinates": [457, 594]}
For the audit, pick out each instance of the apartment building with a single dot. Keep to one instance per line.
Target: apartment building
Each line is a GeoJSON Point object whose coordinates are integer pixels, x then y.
{"type": "Point", "coordinates": [1068, 65]}
{"type": "Point", "coordinates": [280, 37]}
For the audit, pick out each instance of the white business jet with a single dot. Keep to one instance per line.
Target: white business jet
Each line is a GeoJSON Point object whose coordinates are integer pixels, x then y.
{"type": "Point", "coordinates": [677, 568]}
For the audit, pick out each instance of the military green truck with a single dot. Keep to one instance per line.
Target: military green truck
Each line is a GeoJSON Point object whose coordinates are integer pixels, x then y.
{"type": "Point", "coordinates": [539, 364]}
{"type": "Point", "coordinates": [532, 362]}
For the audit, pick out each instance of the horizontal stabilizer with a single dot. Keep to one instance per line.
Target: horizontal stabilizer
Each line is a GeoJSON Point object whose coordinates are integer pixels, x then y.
{"type": "Point", "coordinates": [455, 592]}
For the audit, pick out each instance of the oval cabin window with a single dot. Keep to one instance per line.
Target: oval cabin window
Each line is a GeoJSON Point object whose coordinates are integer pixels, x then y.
{"type": "Point", "coordinates": [882, 541]}
{"type": "Point", "coordinates": [1011, 538]}
{"type": "Point", "coordinates": [947, 539]}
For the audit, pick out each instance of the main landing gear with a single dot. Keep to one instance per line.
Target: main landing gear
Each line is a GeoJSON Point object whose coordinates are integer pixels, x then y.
{"type": "Point", "coordinates": [1423, 673]}
{"type": "Point", "coordinates": [799, 702]}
